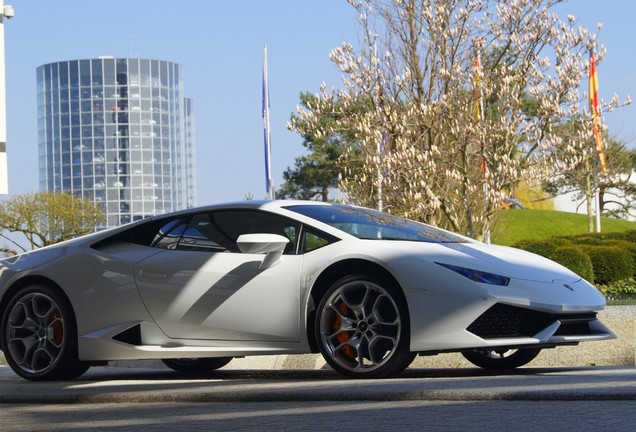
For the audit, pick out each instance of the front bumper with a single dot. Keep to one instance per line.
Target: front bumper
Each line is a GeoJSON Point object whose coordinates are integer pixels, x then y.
{"type": "Point", "coordinates": [503, 322]}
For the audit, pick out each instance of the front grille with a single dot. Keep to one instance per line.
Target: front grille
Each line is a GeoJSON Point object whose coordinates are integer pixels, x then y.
{"type": "Point", "coordinates": [575, 328]}
{"type": "Point", "coordinates": [505, 321]}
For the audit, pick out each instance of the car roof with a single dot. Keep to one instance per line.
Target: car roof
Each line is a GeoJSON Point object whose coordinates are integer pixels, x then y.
{"type": "Point", "coordinates": [275, 206]}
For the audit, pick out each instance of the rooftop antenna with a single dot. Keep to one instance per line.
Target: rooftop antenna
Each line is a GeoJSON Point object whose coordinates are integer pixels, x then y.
{"type": "Point", "coordinates": [269, 185]}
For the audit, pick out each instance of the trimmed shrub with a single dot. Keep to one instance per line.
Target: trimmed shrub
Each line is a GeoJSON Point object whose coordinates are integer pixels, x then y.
{"type": "Point", "coordinates": [561, 241]}
{"type": "Point", "coordinates": [627, 245]}
{"type": "Point", "coordinates": [601, 238]}
{"type": "Point", "coordinates": [543, 248]}
{"type": "Point", "coordinates": [610, 263]}
{"type": "Point", "coordinates": [588, 239]}
{"type": "Point", "coordinates": [629, 236]}
{"type": "Point", "coordinates": [618, 236]}
{"type": "Point", "coordinates": [576, 260]}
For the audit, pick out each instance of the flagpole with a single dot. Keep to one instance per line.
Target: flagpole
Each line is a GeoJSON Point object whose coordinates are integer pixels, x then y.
{"type": "Point", "coordinates": [269, 186]}
{"type": "Point", "coordinates": [5, 12]}
{"type": "Point", "coordinates": [598, 209]}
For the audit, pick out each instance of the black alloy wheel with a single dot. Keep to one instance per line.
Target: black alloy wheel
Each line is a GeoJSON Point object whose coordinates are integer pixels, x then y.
{"type": "Point", "coordinates": [38, 334]}
{"type": "Point", "coordinates": [362, 328]}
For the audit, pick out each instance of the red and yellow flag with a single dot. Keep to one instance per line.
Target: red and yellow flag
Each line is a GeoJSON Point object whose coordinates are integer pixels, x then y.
{"type": "Point", "coordinates": [478, 108]}
{"type": "Point", "coordinates": [596, 117]}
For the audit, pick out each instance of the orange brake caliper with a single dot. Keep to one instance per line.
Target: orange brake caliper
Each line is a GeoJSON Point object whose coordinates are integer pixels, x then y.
{"type": "Point", "coordinates": [58, 328]}
{"type": "Point", "coordinates": [343, 337]}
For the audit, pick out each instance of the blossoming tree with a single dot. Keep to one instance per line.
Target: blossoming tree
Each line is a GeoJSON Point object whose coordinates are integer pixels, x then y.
{"type": "Point", "coordinates": [463, 97]}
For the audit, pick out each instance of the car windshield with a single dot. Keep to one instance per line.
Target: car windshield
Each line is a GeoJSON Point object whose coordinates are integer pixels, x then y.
{"type": "Point", "coordinates": [371, 224]}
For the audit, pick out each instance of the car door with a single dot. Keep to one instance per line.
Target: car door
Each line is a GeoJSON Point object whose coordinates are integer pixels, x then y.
{"type": "Point", "coordinates": [200, 286]}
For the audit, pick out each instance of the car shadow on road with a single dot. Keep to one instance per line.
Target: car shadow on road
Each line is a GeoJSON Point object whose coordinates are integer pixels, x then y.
{"type": "Point", "coordinates": [109, 384]}
{"type": "Point", "coordinates": [108, 374]}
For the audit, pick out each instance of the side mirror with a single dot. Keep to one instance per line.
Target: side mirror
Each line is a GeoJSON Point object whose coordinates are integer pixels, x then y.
{"type": "Point", "coordinates": [272, 245]}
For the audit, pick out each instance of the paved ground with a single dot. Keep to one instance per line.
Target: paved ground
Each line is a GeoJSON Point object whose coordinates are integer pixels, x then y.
{"type": "Point", "coordinates": [134, 385]}
{"type": "Point", "coordinates": [590, 387]}
{"type": "Point", "coordinates": [436, 400]}
{"type": "Point", "coordinates": [366, 416]}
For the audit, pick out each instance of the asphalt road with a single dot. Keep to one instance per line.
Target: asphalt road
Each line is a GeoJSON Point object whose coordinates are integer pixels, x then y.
{"type": "Point", "coordinates": [393, 416]}
{"type": "Point", "coordinates": [528, 399]}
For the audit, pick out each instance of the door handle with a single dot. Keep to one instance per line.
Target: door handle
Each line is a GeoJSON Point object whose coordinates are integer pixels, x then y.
{"type": "Point", "coordinates": [156, 275]}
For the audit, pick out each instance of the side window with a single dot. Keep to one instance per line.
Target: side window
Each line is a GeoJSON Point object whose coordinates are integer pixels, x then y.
{"type": "Point", "coordinates": [313, 240]}
{"type": "Point", "coordinates": [169, 234]}
{"type": "Point", "coordinates": [235, 223]}
{"type": "Point", "coordinates": [202, 235]}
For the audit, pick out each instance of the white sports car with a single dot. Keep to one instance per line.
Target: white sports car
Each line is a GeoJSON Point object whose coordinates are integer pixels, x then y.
{"type": "Point", "coordinates": [366, 289]}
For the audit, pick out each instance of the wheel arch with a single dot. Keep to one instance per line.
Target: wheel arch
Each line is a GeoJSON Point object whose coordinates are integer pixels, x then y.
{"type": "Point", "coordinates": [65, 364]}
{"type": "Point", "coordinates": [32, 280]}
{"type": "Point", "coordinates": [330, 275]}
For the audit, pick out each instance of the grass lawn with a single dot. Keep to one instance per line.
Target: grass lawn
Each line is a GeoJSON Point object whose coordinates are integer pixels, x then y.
{"type": "Point", "coordinates": [527, 224]}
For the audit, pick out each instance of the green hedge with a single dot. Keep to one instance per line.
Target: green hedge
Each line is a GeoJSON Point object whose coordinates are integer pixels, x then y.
{"type": "Point", "coordinates": [604, 258]}
{"type": "Point", "coordinates": [544, 248]}
{"type": "Point", "coordinates": [629, 236]}
{"type": "Point", "coordinates": [628, 246]}
{"type": "Point", "coordinates": [610, 263]}
{"type": "Point", "coordinates": [576, 260]}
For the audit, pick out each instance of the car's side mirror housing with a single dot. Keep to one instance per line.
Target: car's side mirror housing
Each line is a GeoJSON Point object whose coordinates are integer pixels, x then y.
{"type": "Point", "coordinates": [272, 245]}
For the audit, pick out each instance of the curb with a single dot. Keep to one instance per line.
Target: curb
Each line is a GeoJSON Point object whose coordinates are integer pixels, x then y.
{"type": "Point", "coordinates": [116, 385]}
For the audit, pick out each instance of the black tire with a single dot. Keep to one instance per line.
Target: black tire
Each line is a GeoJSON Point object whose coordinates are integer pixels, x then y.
{"type": "Point", "coordinates": [38, 334]}
{"type": "Point", "coordinates": [500, 359]}
{"type": "Point", "coordinates": [196, 364]}
{"type": "Point", "coordinates": [362, 328]}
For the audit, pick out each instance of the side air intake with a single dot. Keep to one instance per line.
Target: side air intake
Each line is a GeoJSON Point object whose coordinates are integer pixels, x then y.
{"type": "Point", "coordinates": [131, 336]}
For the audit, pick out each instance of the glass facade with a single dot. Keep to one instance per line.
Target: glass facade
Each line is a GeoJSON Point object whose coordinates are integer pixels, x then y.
{"type": "Point", "coordinates": [117, 131]}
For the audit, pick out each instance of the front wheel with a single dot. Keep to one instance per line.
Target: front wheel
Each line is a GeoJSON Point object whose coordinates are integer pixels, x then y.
{"type": "Point", "coordinates": [38, 334]}
{"type": "Point", "coordinates": [362, 328]}
{"type": "Point", "coordinates": [196, 364]}
{"type": "Point", "coordinates": [501, 358]}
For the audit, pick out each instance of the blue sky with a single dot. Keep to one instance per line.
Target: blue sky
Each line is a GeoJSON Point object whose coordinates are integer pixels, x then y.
{"type": "Point", "coordinates": [220, 46]}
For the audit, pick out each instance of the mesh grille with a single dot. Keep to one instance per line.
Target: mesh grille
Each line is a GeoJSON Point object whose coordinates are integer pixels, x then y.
{"type": "Point", "coordinates": [579, 328]}
{"type": "Point", "coordinates": [504, 321]}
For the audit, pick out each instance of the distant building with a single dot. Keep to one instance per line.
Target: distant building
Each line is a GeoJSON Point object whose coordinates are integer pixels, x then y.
{"type": "Point", "coordinates": [615, 200]}
{"type": "Point", "coordinates": [117, 131]}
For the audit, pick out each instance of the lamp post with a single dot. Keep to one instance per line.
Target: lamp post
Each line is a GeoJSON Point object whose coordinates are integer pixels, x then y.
{"type": "Point", "coordinates": [5, 12]}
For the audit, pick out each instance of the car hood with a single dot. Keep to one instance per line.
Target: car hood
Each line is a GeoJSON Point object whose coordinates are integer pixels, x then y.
{"type": "Point", "coordinates": [511, 262]}
{"type": "Point", "coordinates": [502, 260]}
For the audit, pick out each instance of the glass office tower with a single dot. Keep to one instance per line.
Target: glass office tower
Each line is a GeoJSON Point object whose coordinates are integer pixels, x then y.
{"type": "Point", "coordinates": [119, 132]}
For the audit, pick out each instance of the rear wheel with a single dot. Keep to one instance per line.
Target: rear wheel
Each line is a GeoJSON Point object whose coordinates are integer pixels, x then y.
{"type": "Point", "coordinates": [38, 334]}
{"type": "Point", "coordinates": [196, 364]}
{"type": "Point", "coordinates": [362, 328]}
{"type": "Point", "coordinates": [501, 358]}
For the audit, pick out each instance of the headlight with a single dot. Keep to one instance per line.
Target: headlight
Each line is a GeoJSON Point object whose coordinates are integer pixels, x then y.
{"type": "Point", "coordinates": [478, 276]}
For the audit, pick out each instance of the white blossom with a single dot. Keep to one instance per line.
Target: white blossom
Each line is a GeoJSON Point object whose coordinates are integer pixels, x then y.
{"type": "Point", "coordinates": [423, 144]}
